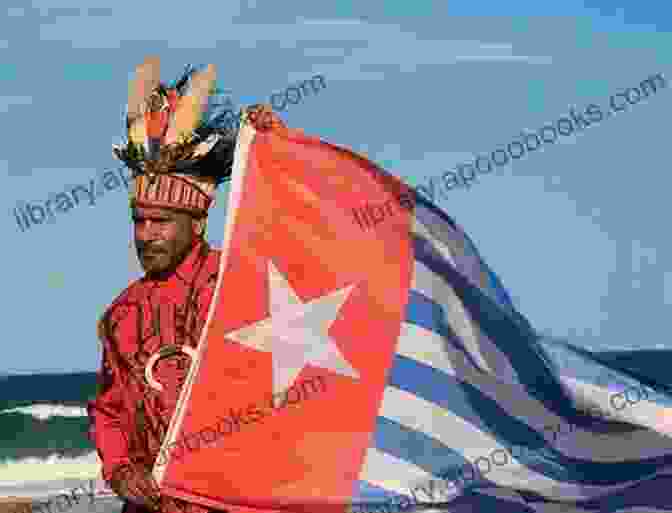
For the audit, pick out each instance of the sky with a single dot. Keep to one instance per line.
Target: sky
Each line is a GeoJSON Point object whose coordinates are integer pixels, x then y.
{"type": "Point", "coordinates": [577, 230]}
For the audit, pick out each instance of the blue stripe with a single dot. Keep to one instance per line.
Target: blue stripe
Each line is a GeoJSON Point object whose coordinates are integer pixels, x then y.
{"type": "Point", "coordinates": [500, 291]}
{"type": "Point", "coordinates": [650, 366]}
{"type": "Point", "coordinates": [495, 283]}
{"type": "Point", "coordinates": [426, 313]}
{"type": "Point", "coordinates": [592, 367]}
{"type": "Point", "coordinates": [380, 501]}
{"type": "Point", "coordinates": [367, 493]}
{"type": "Point", "coordinates": [652, 493]}
{"type": "Point", "coordinates": [475, 502]}
{"type": "Point", "coordinates": [467, 402]}
{"type": "Point", "coordinates": [415, 447]}
{"type": "Point", "coordinates": [424, 207]}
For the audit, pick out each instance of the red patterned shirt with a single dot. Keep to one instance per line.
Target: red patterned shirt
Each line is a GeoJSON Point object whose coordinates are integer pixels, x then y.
{"type": "Point", "coordinates": [129, 418]}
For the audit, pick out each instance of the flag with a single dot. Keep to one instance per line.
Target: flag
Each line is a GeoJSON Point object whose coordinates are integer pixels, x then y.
{"type": "Point", "coordinates": [361, 356]}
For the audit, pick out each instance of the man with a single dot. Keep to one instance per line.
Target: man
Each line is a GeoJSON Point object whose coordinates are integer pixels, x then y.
{"type": "Point", "coordinates": [179, 153]}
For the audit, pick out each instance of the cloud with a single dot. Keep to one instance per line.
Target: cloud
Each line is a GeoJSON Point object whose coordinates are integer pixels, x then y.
{"type": "Point", "coordinates": [373, 49]}
{"type": "Point", "coordinates": [141, 21]}
{"type": "Point", "coordinates": [366, 43]}
{"type": "Point", "coordinates": [16, 12]}
{"type": "Point", "coordinates": [9, 101]}
{"type": "Point", "coordinates": [332, 21]}
{"type": "Point", "coordinates": [408, 51]}
{"type": "Point", "coordinates": [45, 12]}
{"type": "Point", "coordinates": [326, 52]}
{"type": "Point", "coordinates": [509, 58]}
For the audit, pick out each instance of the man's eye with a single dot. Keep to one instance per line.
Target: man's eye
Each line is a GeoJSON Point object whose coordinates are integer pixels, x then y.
{"type": "Point", "coordinates": [159, 220]}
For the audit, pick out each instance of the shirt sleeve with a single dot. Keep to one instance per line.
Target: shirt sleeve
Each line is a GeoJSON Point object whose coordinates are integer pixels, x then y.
{"type": "Point", "coordinates": [105, 413]}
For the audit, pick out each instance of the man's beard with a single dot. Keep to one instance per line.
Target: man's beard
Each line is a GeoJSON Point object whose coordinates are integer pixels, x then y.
{"type": "Point", "coordinates": [159, 260]}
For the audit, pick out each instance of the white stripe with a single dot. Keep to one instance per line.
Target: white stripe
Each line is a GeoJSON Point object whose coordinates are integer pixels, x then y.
{"type": "Point", "coordinates": [443, 250]}
{"type": "Point", "coordinates": [454, 247]}
{"type": "Point", "coordinates": [389, 472]}
{"type": "Point", "coordinates": [426, 282]}
{"type": "Point", "coordinates": [643, 413]}
{"type": "Point", "coordinates": [417, 414]}
{"type": "Point", "coordinates": [429, 348]}
{"type": "Point", "coordinates": [425, 346]}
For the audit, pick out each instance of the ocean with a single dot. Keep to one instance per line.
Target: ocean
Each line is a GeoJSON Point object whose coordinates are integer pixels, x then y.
{"type": "Point", "coordinates": [44, 449]}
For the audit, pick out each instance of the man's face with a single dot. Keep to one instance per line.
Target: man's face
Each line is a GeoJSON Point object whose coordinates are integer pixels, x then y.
{"type": "Point", "coordinates": [163, 238]}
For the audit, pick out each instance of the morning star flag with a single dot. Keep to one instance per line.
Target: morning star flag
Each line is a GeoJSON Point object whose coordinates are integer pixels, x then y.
{"type": "Point", "coordinates": [360, 356]}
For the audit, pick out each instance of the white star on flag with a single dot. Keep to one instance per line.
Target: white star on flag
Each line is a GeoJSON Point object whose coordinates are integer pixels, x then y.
{"type": "Point", "coordinates": [296, 333]}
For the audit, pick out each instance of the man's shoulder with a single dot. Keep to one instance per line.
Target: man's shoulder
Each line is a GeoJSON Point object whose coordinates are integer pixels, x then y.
{"type": "Point", "coordinates": [207, 276]}
{"type": "Point", "coordinates": [119, 307]}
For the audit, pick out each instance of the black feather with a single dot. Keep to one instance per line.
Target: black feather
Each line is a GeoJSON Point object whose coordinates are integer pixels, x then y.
{"type": "Point", "coordinates": [217, 163]}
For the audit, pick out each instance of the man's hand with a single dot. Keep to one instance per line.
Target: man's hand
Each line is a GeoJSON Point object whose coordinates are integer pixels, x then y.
{"type": "Point", "coordinates": [136, 484]}
{"type": "Point", "coordinates": [261, 116]}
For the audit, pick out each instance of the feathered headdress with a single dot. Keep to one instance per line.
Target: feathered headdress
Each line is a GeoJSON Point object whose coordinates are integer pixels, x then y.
{"type": "Point", "coordinates": [180, 142]}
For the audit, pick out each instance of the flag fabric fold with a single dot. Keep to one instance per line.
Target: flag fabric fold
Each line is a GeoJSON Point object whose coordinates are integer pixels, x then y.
{"type": "Point", "coordinates": [360, 355]}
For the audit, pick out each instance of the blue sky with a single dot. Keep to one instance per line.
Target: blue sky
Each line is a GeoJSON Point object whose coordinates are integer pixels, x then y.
{"type": "Point", "coordinates": [578, 230]}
